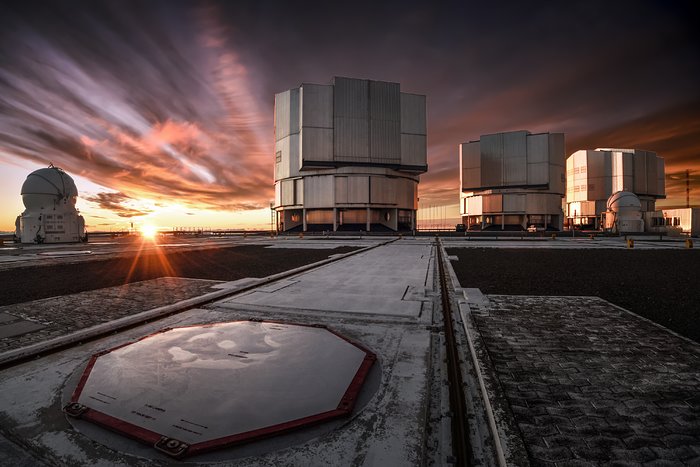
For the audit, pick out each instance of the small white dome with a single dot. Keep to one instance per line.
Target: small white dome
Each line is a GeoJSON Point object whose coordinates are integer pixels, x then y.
{"type": "Point", "coordinates": [47, 187]}
{"type": "Point", "coordinates": [624, 201]}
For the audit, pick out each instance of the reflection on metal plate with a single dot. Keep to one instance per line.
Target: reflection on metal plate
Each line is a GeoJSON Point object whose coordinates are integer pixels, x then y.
{"type": "Point", "coordinates": [209, 386]}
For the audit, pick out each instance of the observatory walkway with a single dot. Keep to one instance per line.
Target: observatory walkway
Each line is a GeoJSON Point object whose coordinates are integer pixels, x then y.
{"type": "Point", "coordinates": [570, 380]}
{"type": "Point", "coordinates": [383, 298]}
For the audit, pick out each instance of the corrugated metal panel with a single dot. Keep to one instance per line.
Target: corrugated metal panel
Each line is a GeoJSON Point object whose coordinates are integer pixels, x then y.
{"type": "Point", "coordinates": [515, 158]}
{"type": "Point", "coordinates": [597, 188]}
{"type": "Point", "coordinates": [278, 194]}
{"type": "Point", "coordinates": [358, 189]}
{"type": "Point", "coordinates": [414, 150]}
{"type": "Point", "coordinates": [351, 140]}
{"type": "Point", "coordinates": [413, 119]}
{"type": "Point", "coordinates": [538, 174]}
{"type": "Point", "coordinates": [406, 193]}
{"type": "Point", "coordinates": [513, 202]}
{"type": "Point", "coordinates": [557, 178]}
{"type": "Point", "coordinates": [492, 203]}
{"type": "Point", "coordinates": [557, 149]}
{"type": "Point", "coordinates": [596, 163]}
{"type": "Point", "coordinates": [282, 115]}
{"type": "Point", "coordinates": [491, 147]}
{"type": "Point", "coordinates": [294, 154]}
{"type": "Point", "coordinates": [471, 154]}
{"type": "Point", "coordinates": [542, 203]}
{"type": "Point", "coordinates": [652, 167]}
{"type": "Point", "coordinates": [299, 190]}
{"type": "Point", "coordinates": [287, 192]}
{"type": "Point", "coordinates": [384, 101]}
{"type": "Point", "coordinates": [282, 167]}
{"type": "Point", "coordinates": [385, 142]}
{"type": "Point", "coordinates": [471, 178]}
{"type": "Point", "coordinates": [316, 105]}
{"type": "Point", "coordinates": [382, 190]}
{"type": "Point", "coordinates": [661, 179]}
{"type": "Point", "coordinates": [316, 144]}
{"type": "Point", "coordinates": [286, 113]}
{"type": "Point", "coordinates": [475, 206]}
{"type": "Point", "coordinates": [318, 191]}
{"type": "Point", "coordinates": [538, 148]}
{"type": "Point", "coordinates": [341, 190]}
{"type": "Point", "coordinates": [351, 98]}
{"type": "Point", "coordinates": [640, 172]}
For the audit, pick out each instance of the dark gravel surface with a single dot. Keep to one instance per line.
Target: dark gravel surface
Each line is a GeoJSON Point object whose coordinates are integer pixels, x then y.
{"type": "Point", "coordinates": [661, 285]}
{"type": "Point", "coordinates": [225, 264]}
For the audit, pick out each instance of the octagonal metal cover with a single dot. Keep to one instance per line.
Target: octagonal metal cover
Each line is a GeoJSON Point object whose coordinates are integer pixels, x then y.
{"type": "Point", "coordinates": [192, 389]}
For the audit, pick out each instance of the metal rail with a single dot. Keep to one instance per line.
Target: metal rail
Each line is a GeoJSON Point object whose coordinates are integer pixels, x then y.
{"type": "Point", "coordinates": [460, 438]}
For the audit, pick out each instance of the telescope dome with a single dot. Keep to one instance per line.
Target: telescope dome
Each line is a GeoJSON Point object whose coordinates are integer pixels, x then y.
{"type": "Point", "coordinates": [48, 187]}
{"type": "Point", "coordinates": [624, 201]}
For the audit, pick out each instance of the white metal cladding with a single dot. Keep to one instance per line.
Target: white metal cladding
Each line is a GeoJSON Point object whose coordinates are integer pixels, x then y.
{"type": "Point", "coordinates": [317, 144]}
{"type": "Point", "coordinates": [413, 149]}
{"type": "Point", "coordinates": [385, 142]}
{"type": "Point", "coordinates": [382, 190]}
{"type": "Point", "coordinates": [358, 190]}
{"type": "Point", "coordinates": [289, 157]}
{"type": "Point", "coordinates": [299, 190]}
{"type": "Point", "coordinates": [406, 193]}
{"type": "Point", "coordinates": [513, 202]}
{"type": "Point", "coordinates": [351, 98]}
{"type": "Point", "coordinates": [538, 174]}
{"type": "Point", "coordinates": [351, 139]}
{"type": "Point", "coordinates": [384, 101]}
{"type": "Point", "coordinates": [341, 190]}
{"type": "Point", "coordinates": [492, 203]}
{"type": "Point", "coordinates": [640, 176]}
{"type": "Point", "coordinates": [514, 158]}
{"type": "Point", "coordinates": [278, 194]}
{"type": "Point", "coordinates": [475, 205]}
{"type": "Point", "coordinates": [318, 191]}
{"type": "Point", "coordinates": [287, 192]}
{"type": "Point", "coordinates": [363, 122]}
{"type": "Point", "coordinates": [286, 113]}
{"type": "Point", "coordinates": [413, 119]}
{"type": "Point", "coordinates": [316, 105]}
{"type": "Point", "coordinates": [491, 160]}
{"type": "Point", "coordinates": [661, 179]}
{"type": "Point", "coordinates": [538, 148]}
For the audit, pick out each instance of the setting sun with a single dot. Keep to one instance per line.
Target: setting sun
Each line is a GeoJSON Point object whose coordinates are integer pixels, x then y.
{"type": "Point", "coordinates": [149, 231]}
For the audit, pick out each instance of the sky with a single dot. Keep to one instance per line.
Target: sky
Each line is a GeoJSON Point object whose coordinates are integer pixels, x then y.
{"type": "Point", "coordinates": [162, 111]}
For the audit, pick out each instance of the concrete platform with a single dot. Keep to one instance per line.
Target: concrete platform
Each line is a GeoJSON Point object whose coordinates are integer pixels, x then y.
{"type": "Point", "coordinates": [587, 382]}
{"type": "Point", "coordinates": [577, 380]}
{"type": "Point", "coordinates": [390, 426]}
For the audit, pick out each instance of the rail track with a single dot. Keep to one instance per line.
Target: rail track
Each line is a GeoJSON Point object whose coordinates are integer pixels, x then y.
{"type": "Point", "coordinates": [458, 406]}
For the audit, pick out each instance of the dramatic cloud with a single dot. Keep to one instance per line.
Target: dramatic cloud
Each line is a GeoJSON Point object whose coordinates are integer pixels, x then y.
{"type": "Point", "coordinates": [117, 203]}
{"type": "Point", "coordinates": [173, 101]}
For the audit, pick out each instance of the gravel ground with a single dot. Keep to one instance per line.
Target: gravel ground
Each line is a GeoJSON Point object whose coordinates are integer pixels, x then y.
{"type": "Point", "coordinates": [226, 264]}
{"type": "Point", "coordinates": [661, 285]}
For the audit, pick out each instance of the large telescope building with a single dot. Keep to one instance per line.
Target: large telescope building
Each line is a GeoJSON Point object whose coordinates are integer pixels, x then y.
{"type": "Point", "coordinates": [593, 176]}
{"type": "Point", "coordinates": [512, 181]}
{"type": "Point", "coordinates": [348, 156]}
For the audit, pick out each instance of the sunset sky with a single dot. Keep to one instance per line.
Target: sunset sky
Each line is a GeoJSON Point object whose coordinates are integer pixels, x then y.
{"type": "Point", "coordinates": [163, 111]}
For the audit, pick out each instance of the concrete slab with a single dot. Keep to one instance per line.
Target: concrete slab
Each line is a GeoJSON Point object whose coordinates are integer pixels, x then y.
{"type": "Point", "coordinates": [374, 282]}
{"type": "Point", "coordinates": [398, 420]}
